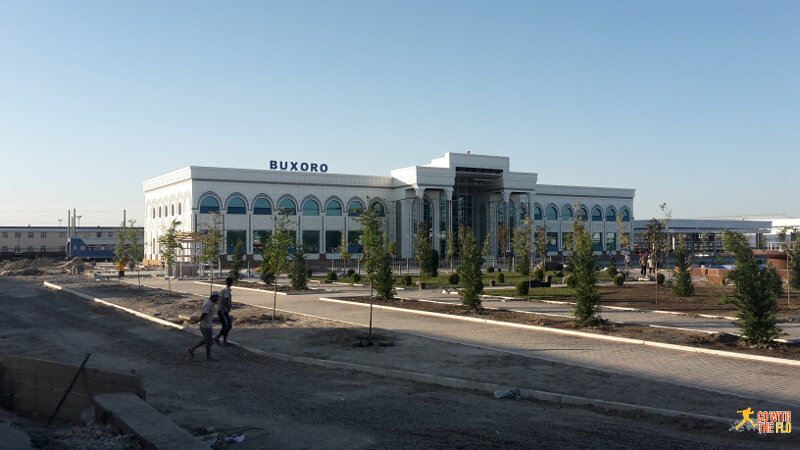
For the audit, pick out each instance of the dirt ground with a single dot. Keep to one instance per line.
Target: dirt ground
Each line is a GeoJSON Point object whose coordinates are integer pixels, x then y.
{"type": "Point", "coordinates": [722, 341]}
{"type": "Point", "coordinates": [707, 300]}
{"type": "Point", "coordinates": [286, 405]}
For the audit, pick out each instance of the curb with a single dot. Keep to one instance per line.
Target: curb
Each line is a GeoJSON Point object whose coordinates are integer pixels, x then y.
{"type": "Point", "coordinates": [685, 348]}
{"type": "Point", "coordinates": [449, 382]}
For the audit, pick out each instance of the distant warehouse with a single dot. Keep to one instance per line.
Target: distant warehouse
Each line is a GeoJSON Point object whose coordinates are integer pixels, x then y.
{"type": "Point", "coordinates": [478, 191]}
{"type": "Point", "coordinates": [58, 242]}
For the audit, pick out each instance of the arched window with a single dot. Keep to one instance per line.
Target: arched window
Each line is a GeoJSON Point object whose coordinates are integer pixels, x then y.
{"type": "Point", "coordinates": [582, 215]}
{"type": "Point", "coordinates": [355, 208]}
{"type": "Point", "coordinates": [512, 215]}
{"type": "Point", "coordinates": [179, 209]}
{"type": "Point", "coordinates": [236, 206]}
{"type": "Point", "coordinates": [159, 211]}
{"type": "Point", "coordinates": [262, 207]}
{"type": "Point", "coordinates": [537, 213]}
{"type": "Point", "coordinates": [597, 215]}
{"type": "Point", "coordinates": [379, 208]}
{"type": "Point", "coordinates": [552, 213]}
{"type": "Point", "coordinates": [611, 215]}
{"type": "Point", "coordinates": [154, 213]}
{"type": "Point", "coordinates": [172, 210]}
{"type": "Point", "coordinates": [501, 212]}
{"type": "Point", "coordinates": [333, 208]}
{"type": "Point", "coordinates": [310, 208]}
{"type": "Point", "coordinates": [566, 213]}
{"type": "Point", "coordinates": [287, 207]}
{"type": "Point", "coordinates": [626, 216]}
{"type": "Point", "coordinates": [209, 204]}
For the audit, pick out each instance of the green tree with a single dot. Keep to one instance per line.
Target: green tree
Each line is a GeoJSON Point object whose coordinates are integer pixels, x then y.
{"type": "Point", "coordinates": [376, 256]}
{"type": "Point", "coordinates": [276, 254]}
{"type": "Point", "coordinates": [522, 246]}
{"type": "Point", "coordinates": [211, 244]}
{"type": "Point", "coordinates": [794, 265]}
{"type": "Point", "coordinates": [426, 255]}
{"type": "Point", "coordinates": [236, 260]}
{"type": "Point", "coordinates": [756, 301]}
{"type": "Point", "coordinates": [130, 248]}
{"type": "Point", "coordinates": [299, 271]}
{"type": "Point", "coordinates": [683, 286]}
{"type": "Point", "coordinates": [502, 240]}
{"type": "Point", "coordinates": [451, 248]}
{"type": "Point", "coordinates": [584, 263]}
{"type": "Point", "coordinates": [540, 242]}
{"type": "Point", "coordinates": [469, 272]}
{"type": "Point", "coordinates": [344, 250]}
{"type": "Point", "coordinates": [169, 246]}
{"type": "Point", "coordinates": [656, 238]}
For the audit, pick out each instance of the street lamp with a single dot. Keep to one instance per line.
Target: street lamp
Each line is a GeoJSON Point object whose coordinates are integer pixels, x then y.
{"type": "Point", "coordinates": [79, 220]}
{"type": "Point", "coordinates": [59, 223]}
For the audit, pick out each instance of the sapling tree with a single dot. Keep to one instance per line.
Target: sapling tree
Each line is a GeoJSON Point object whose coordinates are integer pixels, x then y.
{"type": "Point", "coordinates": [683, 287]}
{"type": "Point", "coordinates": [756, 300]}
{"type": "Point", "coordinates": [275, 260]}
{"type": "Point", "coordinates": [584, 263]}
{"type": "Point", "coordinates": [236, 261]}
{"type": "Point", "coordinates": [469, 272]}
{"type": "Point", "coordinates": [169, 247]}
{"type": "Point", "coordinates": [211, 244]}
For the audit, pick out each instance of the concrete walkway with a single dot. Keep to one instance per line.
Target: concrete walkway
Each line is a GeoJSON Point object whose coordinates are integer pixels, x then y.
{"type": "Point", "coordinates": [692, 322]}
{"type": "Point", "coordinates": [747, 378]}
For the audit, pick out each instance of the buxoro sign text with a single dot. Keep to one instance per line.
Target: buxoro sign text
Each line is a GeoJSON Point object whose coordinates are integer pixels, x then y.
{"type": "Point", "coordinates": [295, 166]}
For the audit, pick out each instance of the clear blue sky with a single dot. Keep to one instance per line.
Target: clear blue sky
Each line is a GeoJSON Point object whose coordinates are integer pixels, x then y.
{"type": "Point", "coordinates": [693, 103]}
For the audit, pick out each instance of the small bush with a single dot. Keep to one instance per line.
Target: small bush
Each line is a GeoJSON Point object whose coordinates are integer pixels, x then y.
{"type": "Point", "coordinates": [523, 287]}
{"type": "Point", "coordinates": [350, 272]}
{"type": "Point", "coordinates": [559, 273]}
{"type": "Point", "coordinates": [619, 280]}
{"type": "Point", "coordinates": [611, 271]}
{"type": "Point", "coordinates": [489, 269]}
{"type": "Point", "coordinates": [356, 277]}
{"type": "Point", "coordinates": [538, 274]}
{"type": "Point", "coordinates": [405, 280]}
{"type": "Point", "coordinates": [499, 269]}
{"type": "Point", "coordinates": [331, 276]}
{"type": "Point", "coordinates": [500, 278]}
{"type": "Point", "coordinates": [309, 273]}
{"type": "Point", "coordinates": [453, 278]}
{"type": "Point", "coordinates": [660, 279]}
{"type": "Point", "coordinates": [571, 281]}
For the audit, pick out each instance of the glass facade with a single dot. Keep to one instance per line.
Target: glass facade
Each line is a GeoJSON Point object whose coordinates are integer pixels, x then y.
{"type": "Point", "coordinates": [311, 241]}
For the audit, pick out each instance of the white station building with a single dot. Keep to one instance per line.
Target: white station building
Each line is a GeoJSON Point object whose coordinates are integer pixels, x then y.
{"type": "Point", "coordinates": [478, 191]}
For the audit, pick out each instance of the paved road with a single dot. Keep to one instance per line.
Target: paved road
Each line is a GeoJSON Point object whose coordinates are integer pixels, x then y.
{"type": "Point", "coordinates": [753, 379]}
{"type": "Point", "coordinates": [637, 317]}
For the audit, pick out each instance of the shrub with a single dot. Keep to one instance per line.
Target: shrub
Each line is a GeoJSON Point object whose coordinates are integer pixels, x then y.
{"type": "Point", "coordinates": [523, 287]}
{"type": "Point", "coordinates": [500, 277]}
{"type": "Point", "coordinates": [405, 280]}
{"type": "Point", "coordinates": [331, 276]}
{"type": "Point", "coordinates": [489, 269]}
{"type": "Point", "coordinates": [660, 279]}
{"type": "Point", "coordinates": [356, 277]}
{"type": "Point", "coordinates": [350, 272]}
{"type": "Point", "coordinates": [571, 281]}
{"type": "Point", "coordinates": [538, 274]}
{"type": "Point", "coordinates": [560, 273]}
{"type": "Point", "coordinates": [453, 278]}
{"type": "Point", "coordinates": [309, 273]}
{"type": "Point", "coordinates": [619, 280]}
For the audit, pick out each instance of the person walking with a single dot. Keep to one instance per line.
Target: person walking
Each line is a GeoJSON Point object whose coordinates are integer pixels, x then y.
{"type": "Point", "coordinates": [206, 321]}
{"type": "Point", "coordinates": [120, 269]}
{"type": "Point", "coordinates": [224, 312]}
{"type": "Point", "coordinates": [651, 265]}
{"type": "Point", "coordinates": [643, 264]}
